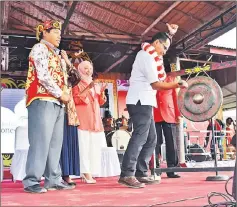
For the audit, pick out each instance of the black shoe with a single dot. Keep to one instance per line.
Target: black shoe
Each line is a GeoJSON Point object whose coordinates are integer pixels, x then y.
{"type": "Point", "coordinates": [35, 189]}
{"type": "Point", "coordinates": [72, 183]}
{"type": "Point", "coordinates": [173, 175]}
{"type": "Point", "coordinates": [61, 186]}
{"type": "Point", "coordinates": [69, 183]}
{"type": "Point", "coordinates": [147, 180]}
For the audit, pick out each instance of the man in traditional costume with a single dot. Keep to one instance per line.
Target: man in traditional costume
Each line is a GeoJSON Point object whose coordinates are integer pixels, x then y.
{"type": "Point", "coordinates": [46, 96]}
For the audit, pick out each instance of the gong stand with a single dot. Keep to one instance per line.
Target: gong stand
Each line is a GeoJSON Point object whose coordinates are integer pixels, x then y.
{"type": "Point", "coordinates": [207, 68]}
{"type": "Point", "coordinates": [200, 102]}
{"type": "Point", "coordinates": [215, 169]}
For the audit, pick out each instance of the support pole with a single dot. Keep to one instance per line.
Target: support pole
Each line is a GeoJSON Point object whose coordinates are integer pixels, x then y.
{"type": "Point", "coordinates": [181, 143]}
{"type": "Point", "coordinates": [179, 129]}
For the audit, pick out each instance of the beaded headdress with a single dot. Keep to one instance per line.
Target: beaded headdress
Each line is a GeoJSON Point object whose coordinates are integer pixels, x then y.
{"type": "Point", "coordinates": [54, 24]}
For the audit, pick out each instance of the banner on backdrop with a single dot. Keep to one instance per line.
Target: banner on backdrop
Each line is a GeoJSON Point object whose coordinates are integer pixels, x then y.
{"type": "Point", "coordinates": [12, 109]}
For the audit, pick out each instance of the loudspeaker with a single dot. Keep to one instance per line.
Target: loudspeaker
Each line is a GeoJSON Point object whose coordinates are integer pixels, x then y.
{"type": "Point", "coordinates": [197, 153]}
{"type": "Point", "coordinates": [196, 148]}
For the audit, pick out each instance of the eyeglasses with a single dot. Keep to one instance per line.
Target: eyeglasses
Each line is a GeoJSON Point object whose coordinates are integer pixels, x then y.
{"type": "Point", "coordinates": [165, 47]}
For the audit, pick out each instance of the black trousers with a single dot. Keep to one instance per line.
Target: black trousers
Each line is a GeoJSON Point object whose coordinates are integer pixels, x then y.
{"type": "Point", "coordinates": [169, 131]}
{"type": "Point", "coordinates": [142, 143]}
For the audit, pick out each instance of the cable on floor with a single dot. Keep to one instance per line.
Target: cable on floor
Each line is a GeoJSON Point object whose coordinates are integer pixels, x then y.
{"type": "Point", "coordinates": [228, 198]}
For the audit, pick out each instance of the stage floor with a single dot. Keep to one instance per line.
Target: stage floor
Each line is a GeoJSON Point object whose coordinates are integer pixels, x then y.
{"type": "Point", "coordinates": [189, 190]}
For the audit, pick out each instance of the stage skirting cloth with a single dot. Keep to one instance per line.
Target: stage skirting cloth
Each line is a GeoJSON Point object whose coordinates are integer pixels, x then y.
{"type": "Point", "coordinates": [110, 162]}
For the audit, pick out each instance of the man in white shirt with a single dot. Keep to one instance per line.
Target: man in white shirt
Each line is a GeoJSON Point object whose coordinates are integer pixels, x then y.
{"type": "Point", "coordinates": [146, 78]}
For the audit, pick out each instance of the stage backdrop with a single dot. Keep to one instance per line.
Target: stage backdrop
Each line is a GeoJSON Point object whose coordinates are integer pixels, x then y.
{"type": "Point", "coordinates": [12, 110]}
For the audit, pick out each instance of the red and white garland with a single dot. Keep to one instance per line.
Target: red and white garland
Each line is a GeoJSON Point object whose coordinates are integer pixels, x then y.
{"type": "Point", "coordinates": [158, 59]}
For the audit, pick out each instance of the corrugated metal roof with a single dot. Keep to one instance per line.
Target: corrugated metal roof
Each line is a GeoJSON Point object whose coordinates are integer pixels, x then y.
{"type": "Point", "coordinates": [219, 47]}
{"type": "Point", "coordinates": [227, 40]}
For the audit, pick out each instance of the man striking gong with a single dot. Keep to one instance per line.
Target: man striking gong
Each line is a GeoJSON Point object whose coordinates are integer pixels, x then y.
{"type": "Point", "coordinates": [146, 78]}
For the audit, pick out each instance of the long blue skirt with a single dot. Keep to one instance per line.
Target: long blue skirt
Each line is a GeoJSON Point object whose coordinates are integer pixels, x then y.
{"type": "Point", "coordinates": [69, 161]}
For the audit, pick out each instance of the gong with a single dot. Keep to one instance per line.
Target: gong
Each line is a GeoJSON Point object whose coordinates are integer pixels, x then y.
{"type": "Point", "coordinates": [201, 100]}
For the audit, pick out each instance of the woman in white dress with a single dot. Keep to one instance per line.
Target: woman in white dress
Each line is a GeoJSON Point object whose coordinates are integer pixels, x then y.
{"type": "Point", "coordinates": [90, 131]}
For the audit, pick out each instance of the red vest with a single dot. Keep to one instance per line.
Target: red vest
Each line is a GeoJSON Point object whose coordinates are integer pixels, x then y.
{"type": "Point", "coordinates": [34, 90]}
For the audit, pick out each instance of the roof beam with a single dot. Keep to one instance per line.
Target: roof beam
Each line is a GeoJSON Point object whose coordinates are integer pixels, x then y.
{"type": "Point", "coordinates": [77, 36]}
{"type": "Point", "coordinates": [5, 14]}
{"type": "Point", "coordinates": [69, 14]}
{"type": "Point", "coordinates": [121, 59]}
{"type": "Point", "coordinates": [59, 17]}
{"type": "Point", "coordinates": [98, 28]}
{"type": "Point", "coordinates": [26, 14]}
{"type": "Point", "coordinates": [115, 36]}
{"type": "Point", "coordinates": [212, 35]}
{"type": "Point", "coordinates": [95, 4]}
{"type": "Point", "coordinates": [18, 26]}
{"type": "Point", "coordinates": [126, 18]}
{"type": "Point", "coordinates": [172, 6]}
{"type": "Point", "coordinates": [76, 25]}
{"type": "Point", "coordinates": [23, 24]}
{"type": "Point", "coordinates": [184, 13]}
{"type": "Point", "coordinates": [213, 5]}
{"type": "Point", "coordinates": [40, 10]}
{"type": "Point", "coordinates": [108, 37]}
{"type": "Point", "coordinates": [200, 21]}
{"type": "Point", "coordinates": [133, 11]}
{"type": "Point", "coordinates": [95, 21]}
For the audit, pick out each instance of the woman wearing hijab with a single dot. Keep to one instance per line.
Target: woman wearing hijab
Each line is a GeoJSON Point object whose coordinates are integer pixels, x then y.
{"type": "Point", "coordinates": [88, 97]}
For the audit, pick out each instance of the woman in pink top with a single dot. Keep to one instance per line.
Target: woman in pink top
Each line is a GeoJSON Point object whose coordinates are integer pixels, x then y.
{"type": "Point", "coordinates": [90, 131]}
